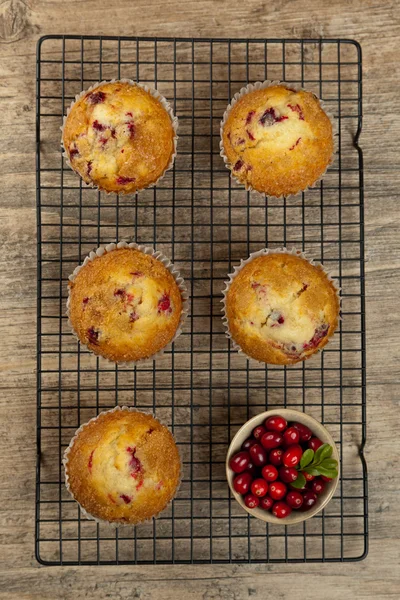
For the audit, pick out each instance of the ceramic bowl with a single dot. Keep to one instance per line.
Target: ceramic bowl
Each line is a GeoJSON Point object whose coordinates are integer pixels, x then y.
{"type": "Point", "coordinates": [318, 430]}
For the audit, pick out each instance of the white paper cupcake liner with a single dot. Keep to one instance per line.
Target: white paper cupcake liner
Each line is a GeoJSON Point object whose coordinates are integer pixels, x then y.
{"type": "Point", "coordinates": [65, 459]}
{"type": "Point", "coordinates": [167, 264]}
{"type": "Point", "coordinates": [261, 85]}
{"type": "Point", "coordinates": [156, 94]}
{"type": "Point", "coordinates": [243, 262]}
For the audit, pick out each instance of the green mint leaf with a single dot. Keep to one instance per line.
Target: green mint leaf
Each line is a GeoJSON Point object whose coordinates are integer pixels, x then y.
{"type": "Point", "coordinates": [324, 451]}
{"type": "Point", "coordinates": [331, 473]}
{"type": "Point", "coordinates": [307, 458]}
{"type": "Point", "coordinates": [300, 482]}
{"type": "Point", "coordinates": [329, 463]}
{"type": "Point", "coordinates": [311, 470]}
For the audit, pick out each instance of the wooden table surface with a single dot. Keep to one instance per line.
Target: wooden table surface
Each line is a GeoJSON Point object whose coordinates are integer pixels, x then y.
{"type": "Point", "coordinates": [376, 25]}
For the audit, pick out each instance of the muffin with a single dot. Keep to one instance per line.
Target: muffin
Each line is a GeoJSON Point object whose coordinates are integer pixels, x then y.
{"type": "Point", "coordinates": [279, 308]}
{"type": "Point", "coordinates": [123, 466]}
{"type": "Point", "coordinates": [120, 137]}
{"type": "Point", "coordinates": [275, 139]}
{"type": "Point", "coordinates": [125, 304]}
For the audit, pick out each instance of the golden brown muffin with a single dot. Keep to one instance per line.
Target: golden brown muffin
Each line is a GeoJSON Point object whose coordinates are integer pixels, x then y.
{"type": "Point", "coordinates": [277, 140]}
{"type": "Point", "coordinates": [119, 137]}
{"type": "Point", "coordinates": [123, 467]}
{"type": "Point", "coordinates": [281, 309]}
{"type": "Point", "coordinates": [125, 305]}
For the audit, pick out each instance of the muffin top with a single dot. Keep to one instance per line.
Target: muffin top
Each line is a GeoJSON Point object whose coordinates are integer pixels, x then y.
{"type": "Point", "coordinates": [281, 309]}
{"type": "Point", "coordinates": [123, 466]}
{"type": "Point", "coordinates": [119, 137]}
{"type": "Point", "coordinates": [278, 140]}
{"type": "Point", "coordinates": [125, 305]}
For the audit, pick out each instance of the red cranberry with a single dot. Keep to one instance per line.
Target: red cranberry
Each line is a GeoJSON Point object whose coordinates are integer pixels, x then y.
{"type": "Point", "coordinates": [275, 457]}
{"type": "Point", "coordinates": [266, 503]}
{"type": "Point", "coordinates": [258, 455]}
{"type": "Point", "coordinates": [90, 461]}
{"type": "Point", "coordinates": [239, 462]}
{"type": "Point", "coordinates": [97, 97]}
{"type": "Point", "coordinates": [258, 432]}
{"type": "Point", "coordinates": [131, 129]}
{"type": "Point", "coordinates": [98, 126]}
{"type": "Point", "coordinates": [164, 304]}
{"type": "Point", "coordinates": [296, 108]}
{"type": "Point", "coordinates": [305, 432]}
{"type": "Point", "coordinates": [288, 474]}
{"type": "Point", "coordinates": [294, 499]}
{"type": "Point", "coordinates": [123, 180]}
{"type": "Point", "coordinates": [326, 478]}
{"type": "Point", "coordinates": [134, 463]}
{"type": "Point", "coordinates": [309, 499]}
{"type": "Point", "coordinates": [292, 456]}
{"type": "Point", "coordinates": [275, 423]}
{"type": "Point", "coordinates": [270, 473]}
{"type": "Point", "coordinates": [242, 482]}
{"type": "Point", "coordinates": [259, 487]}
{"type": "Point", "coordinates": [281, 510]}
{"type": "Point", "coordinates": [250, 115]}
{"type": "Point", "coordinates": [121, 293]}
{"type": "Point", "coordinates": [126, 499]}
{"type": "Point", "coordinates": [93, 335]}
{"type": "Point", "coordinates": [268, 117]}
{"type": "Point", "coordinates": [291, 436]}
{"type": "Point", "coordinates": [136, 466]}
{"type": "Point", "coordinates": [317, 486]}
{"type": "Point", "coordinates": [277, 490]}
{"type": "Point", "coordinates": [252, 469]}
{"type": "Point", "coordinates": [319, 334]}
{"type": "Point", "coordinates": [271, 440]}
{"type": "Point", "coordinates": [307, 476]}
{"type": "Point", "coordinates": [315, 443]}
{"type": "Point", "coordinates": [238, 165]}
{"type": "Point", "coordinates": [295, 144]}
{"type": "Point", "coordinates": [247, 444]}
{"type": "Point", "coordinates": [251, 501]}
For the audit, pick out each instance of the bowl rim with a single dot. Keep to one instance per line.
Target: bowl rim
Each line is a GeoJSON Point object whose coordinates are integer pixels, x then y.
{"type": "Point", "coordinates": [236, 443]}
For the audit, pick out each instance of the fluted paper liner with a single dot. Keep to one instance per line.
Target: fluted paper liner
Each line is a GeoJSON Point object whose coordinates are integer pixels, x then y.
{"type": "Point", "coordinates": [243, 262]}
{"type": "Point", "coordinates": [167, 264]}
{"type": "Point", "coordinates": [261, 85]}
{"type": "Point", "coordinates": [156, 94]}
{"type": "Point", "coordinates": [115, 524]}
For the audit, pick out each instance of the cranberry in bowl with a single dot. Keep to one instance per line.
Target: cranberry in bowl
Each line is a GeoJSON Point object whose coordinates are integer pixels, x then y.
{"type": "Point", "coordinates": [306, 478]}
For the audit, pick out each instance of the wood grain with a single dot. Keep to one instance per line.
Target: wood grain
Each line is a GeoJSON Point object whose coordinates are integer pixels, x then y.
{"type": "Point", "coordinates": [376, 25]}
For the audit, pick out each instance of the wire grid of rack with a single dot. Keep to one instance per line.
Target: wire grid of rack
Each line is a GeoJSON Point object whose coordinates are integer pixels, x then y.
{"type": "Point", "coordinates": [206, 223]}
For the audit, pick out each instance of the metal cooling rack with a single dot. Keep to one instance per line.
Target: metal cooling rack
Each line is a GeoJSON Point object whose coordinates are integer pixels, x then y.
{"type": "Point", "coordinates": [206, 223]}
